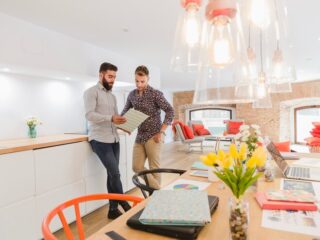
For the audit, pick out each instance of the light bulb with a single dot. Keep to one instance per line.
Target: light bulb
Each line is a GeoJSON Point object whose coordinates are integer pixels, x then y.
{"type": "Point", "coordinates": [278, 67]}
{"type": "Point", "coordinates": [192, 26]}
{"type": "Point", "coordinates": [221, 44]}
{"type": "Point", "coordinates": [261, 87]}
{"type": "Point", "coordinates": [260, 13]}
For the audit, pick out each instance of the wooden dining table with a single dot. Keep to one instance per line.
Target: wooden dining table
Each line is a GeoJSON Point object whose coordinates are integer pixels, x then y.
{"type": "Point", "coordinates": [219, 226]}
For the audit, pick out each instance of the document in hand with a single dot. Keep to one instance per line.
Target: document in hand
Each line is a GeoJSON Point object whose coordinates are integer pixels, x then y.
{"type": "Point", "coordinates": [134, 119]}
{"type": "Point", "coordinates": [183, 207]}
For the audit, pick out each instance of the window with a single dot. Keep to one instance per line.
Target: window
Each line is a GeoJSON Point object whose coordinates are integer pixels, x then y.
{"type": "Point", "coordinates": [303, 118]}
{"type": "Point", "coordinates": [212, 118]}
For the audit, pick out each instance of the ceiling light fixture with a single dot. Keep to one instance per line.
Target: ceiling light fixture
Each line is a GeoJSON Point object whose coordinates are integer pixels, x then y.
{"type": "Point", "coordinates": [187, 38]}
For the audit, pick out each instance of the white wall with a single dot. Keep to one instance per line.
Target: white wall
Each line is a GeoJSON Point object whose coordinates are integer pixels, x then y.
{"type": "Point", "coordinates": [57, 103]}
{"type": "Point", "coordinates": [25, 44]}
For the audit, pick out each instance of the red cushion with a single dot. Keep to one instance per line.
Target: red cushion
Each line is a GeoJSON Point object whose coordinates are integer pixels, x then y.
{"type": "Point", "coordinates": [316, 130]}
{"type": "Point", "coordinates": [313, 141]}
{"type": "Point", "coordinates": [283, 146]}
{"type": "Point", "coordinates": [196, 127]}
{"type": "Point", "coordinates": [315, 134]}
{"type": "Point", "coordinates": [203, 132]}
{"type": "Point", "coordinates": [233, 127]}
{"type": "Point", "coordinates": [181, 126]}
{"type": "Point", "coordinates": [189, 133]}
{"type": "Point", "coordinates": [316, 124]}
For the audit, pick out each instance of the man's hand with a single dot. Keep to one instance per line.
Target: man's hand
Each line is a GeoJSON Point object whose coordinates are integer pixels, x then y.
{"type": "Point", "coordinates": [157, 137]}
{"type": "Point", "coordinates": [116, 119]}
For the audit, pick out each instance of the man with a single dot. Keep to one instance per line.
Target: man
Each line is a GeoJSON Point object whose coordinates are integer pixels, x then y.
{"type": "Point", "coordinates": [102, 113]}
{"type": "Point", "coordinates": [149, 139]}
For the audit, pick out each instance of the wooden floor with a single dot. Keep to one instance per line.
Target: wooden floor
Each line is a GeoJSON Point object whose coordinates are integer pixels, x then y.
{"type": "Point", "coordinates": [174, 155]}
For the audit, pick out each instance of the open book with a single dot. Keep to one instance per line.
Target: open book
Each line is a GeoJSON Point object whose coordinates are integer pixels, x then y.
{"type": "Point", "coordinates": [134, 119]}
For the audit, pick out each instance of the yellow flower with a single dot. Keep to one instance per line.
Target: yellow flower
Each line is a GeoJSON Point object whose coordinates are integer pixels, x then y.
{"type": "Point", "coordinates": [251, 163]}
{"type": "Point", "coordinates": [210, 159]}
{"type": "Point", "coordinates": [234, 151]}
{"type": "Point", "coordinates": [227, 162]}
{"type": "Point", "coordinates": [243, 152]}
{"type": "Point", "coordinates": [224, 160]}
{"type": "Point", "coordinates": [261, 155]}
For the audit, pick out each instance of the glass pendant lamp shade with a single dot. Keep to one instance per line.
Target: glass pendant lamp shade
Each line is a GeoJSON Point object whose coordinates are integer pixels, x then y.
{"type": "Point", "coordinates": [282, 71]}
{"type": "Point", "coordinates": [260, 13]}
{"type": "Point", "coordinates": [187, 38]}
{"type": "Point", "coordinates": [223, 71]}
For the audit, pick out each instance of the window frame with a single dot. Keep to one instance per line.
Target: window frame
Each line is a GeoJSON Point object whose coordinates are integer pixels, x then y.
{"type": "Point", "coordinates": [210, 108]}
{"type": "Point", "coordinates": [295, 121]}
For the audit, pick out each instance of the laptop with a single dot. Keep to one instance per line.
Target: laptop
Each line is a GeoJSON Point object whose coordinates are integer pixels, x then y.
{"type": "Point", "coordinates": [293, 172]}
{"type": "Point", "coordinates": [179, 232]}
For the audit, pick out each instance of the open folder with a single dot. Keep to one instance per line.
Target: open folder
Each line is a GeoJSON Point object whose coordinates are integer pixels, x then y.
{"type": "Point", "coordinates": [134, 119]}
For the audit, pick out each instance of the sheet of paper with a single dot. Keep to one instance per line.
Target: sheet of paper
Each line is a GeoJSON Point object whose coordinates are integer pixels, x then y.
{"type": "Point", "coordinates": [134, 119]}
{"type": "Point", "coordinates": [305, 222]}
{"type": "Point", "coordinates": [186, 185]}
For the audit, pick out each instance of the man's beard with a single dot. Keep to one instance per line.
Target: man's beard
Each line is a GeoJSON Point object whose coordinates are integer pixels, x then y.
{"type": "Point", "coordinates": [106, 85]}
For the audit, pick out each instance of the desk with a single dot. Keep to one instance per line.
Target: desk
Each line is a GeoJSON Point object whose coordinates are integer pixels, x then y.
{"type": "Point", "coordinates": [219, 227]}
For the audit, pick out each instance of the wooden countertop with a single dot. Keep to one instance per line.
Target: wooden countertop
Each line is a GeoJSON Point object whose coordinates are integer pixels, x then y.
{"type": "Point", "coordinates": [24, 144]}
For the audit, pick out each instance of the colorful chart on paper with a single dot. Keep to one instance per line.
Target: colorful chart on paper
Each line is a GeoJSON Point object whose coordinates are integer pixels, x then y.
{"type": "Point", "coordinates": [185, 187]}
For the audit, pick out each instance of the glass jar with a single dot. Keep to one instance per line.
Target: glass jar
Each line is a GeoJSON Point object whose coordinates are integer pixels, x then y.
{"type": "Point", "coordinates": [238, 219]}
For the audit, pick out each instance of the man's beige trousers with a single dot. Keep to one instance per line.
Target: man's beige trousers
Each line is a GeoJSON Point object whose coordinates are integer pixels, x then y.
{"type": "Point", "coordinates": [151, 151]}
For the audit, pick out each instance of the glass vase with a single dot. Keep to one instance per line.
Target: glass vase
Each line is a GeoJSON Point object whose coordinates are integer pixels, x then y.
{"type": "Point", "coordinates": [238, 219]}
{"type": "Point", "coordinates": [32, 133]}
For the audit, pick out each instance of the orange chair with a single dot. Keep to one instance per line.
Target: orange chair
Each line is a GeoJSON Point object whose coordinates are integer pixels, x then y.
{"type": "Point", "coordinates": [47, 235]}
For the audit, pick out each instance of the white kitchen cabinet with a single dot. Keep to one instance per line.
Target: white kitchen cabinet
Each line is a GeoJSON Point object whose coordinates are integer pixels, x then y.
{"type": "Point", "coordinates": [33, 182]}
{"type": "Point", "coordinates": [47, 201]}
{"type": "Point", "coordinates": [96, 184]}
{"type": "Point", "coordinates": [93, 165]}
{"type": "Point", "coordinates": [17, 177]}
{"type": "Point", "coordinates": [57, 166]}
{"type": "Point", "coordinates": [123, 163]}
{"type": "Point", "coordinates": [17, 221]}
{"type": "Point", "coordinates": [130, 139]}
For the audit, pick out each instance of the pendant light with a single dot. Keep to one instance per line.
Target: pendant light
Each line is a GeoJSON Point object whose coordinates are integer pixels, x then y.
{"type": "Point", "coordinates": [187, 38]}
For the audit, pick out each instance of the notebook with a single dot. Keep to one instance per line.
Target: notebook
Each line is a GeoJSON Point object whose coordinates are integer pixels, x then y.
{"type": "Point", "coordinates": [177, 232]}
{"type": "Point", "coordinates": [183, 207]}
{"type": "Point", "coordinates": [199, 173]}
{"type": "Point", "coordinates": [199, 166]}
{"type": "Point", "coordinates": [291, 196]}
{"type": "Point", "coordinates": [265, 203]}
{"type": "Point", "coordinates": [134, 119]}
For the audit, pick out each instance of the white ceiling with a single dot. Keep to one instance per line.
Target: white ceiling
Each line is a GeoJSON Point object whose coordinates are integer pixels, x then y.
{"type": "Point", "coordinates": [151, 26]}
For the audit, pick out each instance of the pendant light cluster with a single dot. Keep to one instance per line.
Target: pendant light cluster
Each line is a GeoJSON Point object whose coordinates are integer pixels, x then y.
{"type": "Point", "coordinates": [241, 44]}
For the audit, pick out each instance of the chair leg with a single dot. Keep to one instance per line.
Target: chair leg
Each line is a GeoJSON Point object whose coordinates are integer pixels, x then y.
{"type": "Point", "coordinates": [189, 148]}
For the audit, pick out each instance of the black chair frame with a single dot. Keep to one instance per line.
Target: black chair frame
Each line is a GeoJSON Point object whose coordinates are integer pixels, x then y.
{"type": "Point", "coordinates": [145, 188]}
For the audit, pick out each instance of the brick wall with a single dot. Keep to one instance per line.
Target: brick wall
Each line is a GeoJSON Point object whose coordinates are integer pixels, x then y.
{"type": "Point", "coordinates": [268, 119]}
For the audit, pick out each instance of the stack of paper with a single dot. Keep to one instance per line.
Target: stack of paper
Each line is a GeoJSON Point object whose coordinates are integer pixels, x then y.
{"type": "Point", "coordinates": [183, 207]}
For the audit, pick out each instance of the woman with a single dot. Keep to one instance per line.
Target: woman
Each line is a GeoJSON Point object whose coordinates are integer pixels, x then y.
{"type": "Point", "coordinates": [149, 139]}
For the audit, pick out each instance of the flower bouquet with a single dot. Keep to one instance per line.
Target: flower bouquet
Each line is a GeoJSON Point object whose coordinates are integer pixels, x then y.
{"type": "Point", "coordinates": [238, 171]}
{"type": "Point", "coordinates": [32, 122]}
